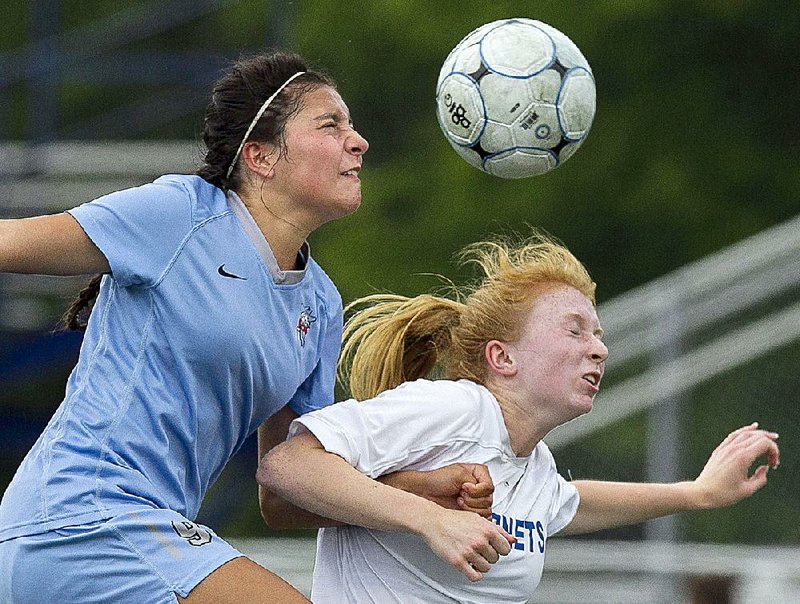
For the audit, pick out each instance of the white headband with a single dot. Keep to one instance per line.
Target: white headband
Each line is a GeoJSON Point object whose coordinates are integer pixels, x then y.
{"type": "Point", "coordinates": [258, 117]}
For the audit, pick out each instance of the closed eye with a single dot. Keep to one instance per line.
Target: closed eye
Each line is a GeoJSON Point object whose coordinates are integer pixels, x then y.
{"type": "Point", "coordinates": [333, 120]}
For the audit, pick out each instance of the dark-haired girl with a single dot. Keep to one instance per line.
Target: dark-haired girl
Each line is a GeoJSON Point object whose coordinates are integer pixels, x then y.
{"type": "Point", "coordinates": [210, 320]}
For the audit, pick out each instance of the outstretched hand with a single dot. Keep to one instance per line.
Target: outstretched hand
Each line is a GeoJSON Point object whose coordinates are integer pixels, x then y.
{"type": "Point", "coordinates": [726, 477]}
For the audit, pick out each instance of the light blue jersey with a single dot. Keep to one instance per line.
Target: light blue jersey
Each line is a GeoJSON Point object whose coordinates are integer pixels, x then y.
{"type": "Point", "coordinates": [195, 339]}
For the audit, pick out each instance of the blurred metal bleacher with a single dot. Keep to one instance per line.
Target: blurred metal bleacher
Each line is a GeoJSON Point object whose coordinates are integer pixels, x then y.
{"type": "Point", "coordinates": [618, 572]}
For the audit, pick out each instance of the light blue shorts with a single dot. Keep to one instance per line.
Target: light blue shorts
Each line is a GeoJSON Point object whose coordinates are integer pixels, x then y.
{"type": "Point", "coordinates": [142, 557]}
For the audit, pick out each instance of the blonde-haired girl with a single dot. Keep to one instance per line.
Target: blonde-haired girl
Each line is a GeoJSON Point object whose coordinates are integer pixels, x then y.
{"type": "Point", "coordinates": [521, 352]}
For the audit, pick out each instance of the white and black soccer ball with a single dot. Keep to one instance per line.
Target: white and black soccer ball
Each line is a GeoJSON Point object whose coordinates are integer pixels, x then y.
{"type": "Point", "coordinates": [515, 98]}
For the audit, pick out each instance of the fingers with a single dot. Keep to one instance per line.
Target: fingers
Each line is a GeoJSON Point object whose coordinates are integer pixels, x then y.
{"type": "Point", "coordinates": [476, 498]}
{"type": "Point", "coordinates": [476, 563]}
{"type": "Point", "coordinates": [502, 541]}
{"type": "Point", "coordinates": [769, 447]}
{"type": "Point", "coordinates": [489, 556]}
{"type": "Point", "coordinates": [483, 557]}
{"type": "Point", "coordinates": [774, 457]}
{"type": "Point", "coordinates": [746, 432]}
{"type": "Point", "coordinates": [470, 544]}
{"type": "Point", "coordinates": [753, 442]}
{"type": "Point", "coordinates": [736, 434]}
{"type": "Point", "coordinates": [483, 509]}
{"type": "Point", "coordinates": [478, 490]}
{"type": "Point", "coordinates": [750, 427]}
{"type": "Point", "coordinates": [481, 476]}
{"type": "Point", "coordinates": [483, 562]}
{"type": "Point", "coordinates": [773, 452]}
{"type": "Point", "coordinates": [469, 571]}
{"type": "Point", "coordinates": [728, 469]}
{"type": "Point", "coordinates": [759, 478]}
{"type": "Point", "coordinates": [757, 443]}
{"type": "Point", "coordinates": [726, 478]}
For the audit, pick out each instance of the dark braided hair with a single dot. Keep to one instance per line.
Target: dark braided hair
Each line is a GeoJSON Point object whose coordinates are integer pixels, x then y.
{"type": "Point", "coordinates": [77, 315]}
{"type": "Point", "coordinates": [235, 99]}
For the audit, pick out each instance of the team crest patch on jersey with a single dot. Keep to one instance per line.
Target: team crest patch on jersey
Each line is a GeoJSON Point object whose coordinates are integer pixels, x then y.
{"type": "Point", "coordinates": [304, 323]}
{"type": "Point", "coordinates": [193, 533]}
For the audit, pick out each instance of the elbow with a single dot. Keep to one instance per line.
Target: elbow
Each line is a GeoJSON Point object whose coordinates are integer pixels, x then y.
{"type": "Point", "coordinates": [270, 469]}
{"type": "Point", "coordinates": [269, 503]}
{"type": "Point", "coordinates": [263, 473]}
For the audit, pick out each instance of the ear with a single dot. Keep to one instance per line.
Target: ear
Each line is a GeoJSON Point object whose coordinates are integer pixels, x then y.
{"type": "Point", "coordinates": [499, 359]}
{"type": "Point", "coordinates": [260, 158]}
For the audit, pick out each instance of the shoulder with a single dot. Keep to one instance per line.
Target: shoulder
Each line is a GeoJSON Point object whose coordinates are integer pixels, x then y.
{"type": "Point", "coordinates": [465, 392]}
{"type": "Point", "coordinates": [543, 458]}
{"type": "Point", "coordinates": [460, 402]}
{"type": "Point", "coordinates": [461, 390]}
{"type": "Point", "coordinates": [140, 230]}
{"type": "Point", "coordinates": [176, 200]}
{"type": "Point", "coordinates": [205, 200]}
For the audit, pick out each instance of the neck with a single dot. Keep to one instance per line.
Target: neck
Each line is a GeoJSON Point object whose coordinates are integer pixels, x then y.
{"type": "Point", "coordinates": [284, 233]}
{"type": "Point", "coordinates": [524, 426]}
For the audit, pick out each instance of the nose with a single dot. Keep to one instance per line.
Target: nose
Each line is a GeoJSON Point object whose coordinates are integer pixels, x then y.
{"type": "Point", "coordinates": [356, 144]}
{"type": "Point", "coordinates": [600, 351]}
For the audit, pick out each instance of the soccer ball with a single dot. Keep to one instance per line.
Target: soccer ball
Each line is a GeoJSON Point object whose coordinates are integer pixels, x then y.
{"type": "Point", "coordinates": [515, 98]}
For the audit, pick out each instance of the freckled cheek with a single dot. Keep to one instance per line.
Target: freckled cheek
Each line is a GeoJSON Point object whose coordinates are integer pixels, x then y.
{"type": "Point", "coordinates": [563, 358]}
{"type": "Point", "coordinates": [562, 368]}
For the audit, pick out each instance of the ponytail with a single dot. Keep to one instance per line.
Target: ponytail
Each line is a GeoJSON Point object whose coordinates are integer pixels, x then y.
{"type": "Point", "coordinates": [77, 315]}
{"type": "Point", "coordinates": [395, 339]}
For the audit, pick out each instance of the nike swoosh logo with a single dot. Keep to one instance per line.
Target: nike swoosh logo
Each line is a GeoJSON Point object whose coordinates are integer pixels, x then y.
{"type": "Point", "coordinates": [221, 270]}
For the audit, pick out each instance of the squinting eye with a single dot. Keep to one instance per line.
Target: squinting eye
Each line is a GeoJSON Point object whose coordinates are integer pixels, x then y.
{"type": "Point", "coordinates": [575, 332]}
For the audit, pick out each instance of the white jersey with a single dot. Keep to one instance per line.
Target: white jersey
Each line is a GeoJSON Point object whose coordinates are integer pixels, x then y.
{"type": "Point", "coordinates": [424, 425]}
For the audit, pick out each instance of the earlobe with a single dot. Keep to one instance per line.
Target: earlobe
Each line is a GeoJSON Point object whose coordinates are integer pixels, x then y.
{"type": "Point", "coordinates": [499, 359]}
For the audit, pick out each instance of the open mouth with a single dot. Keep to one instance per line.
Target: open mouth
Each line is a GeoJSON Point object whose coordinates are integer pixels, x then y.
{"type": "Point", "coordinates": [593, 379]}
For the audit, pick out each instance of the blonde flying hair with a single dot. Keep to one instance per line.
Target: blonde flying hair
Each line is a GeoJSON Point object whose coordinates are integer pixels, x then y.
{"type": "Point", "coordinates": [392, 339]}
